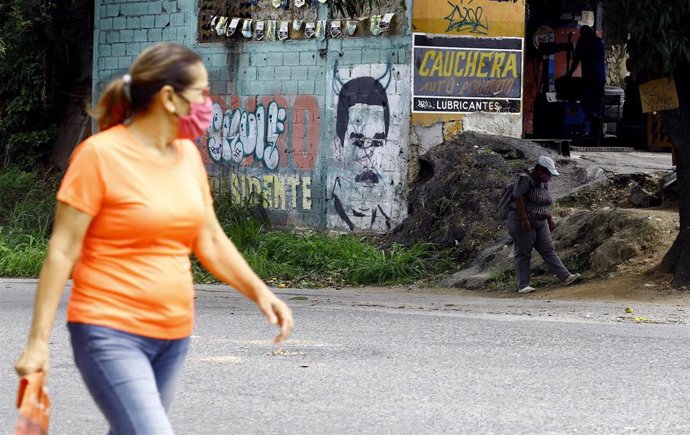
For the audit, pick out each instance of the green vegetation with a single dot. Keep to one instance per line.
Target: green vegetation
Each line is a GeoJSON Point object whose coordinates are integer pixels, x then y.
{"type": "Point", "coordinates": [26, 213]}
{"type": "Point", "coordinates": [502, 280]}
{"type": "Point", "coordinates": [39, 42]}
{"type": "Point", "coordinates": [25, 132]}
{"type": "Point", "coordinates": [317, 259]}
{"type": "Point", "coordinates": [280, 257]}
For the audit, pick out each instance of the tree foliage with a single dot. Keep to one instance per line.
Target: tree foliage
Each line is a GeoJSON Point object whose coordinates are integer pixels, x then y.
{"type": "Point", "coordinates": [658, 41]}
{"type": "Point", "coordinates": [24, 129]}
{"type": "Point", "coordinates": [656, 32]}
{"type": "Point", "coordinates": [36, 63]}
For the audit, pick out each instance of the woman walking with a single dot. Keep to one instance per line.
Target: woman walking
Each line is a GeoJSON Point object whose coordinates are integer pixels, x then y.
{"type": "Point", "coordinates": [133, 205]}
{"type": "Point", "coordinates": [530, 224]}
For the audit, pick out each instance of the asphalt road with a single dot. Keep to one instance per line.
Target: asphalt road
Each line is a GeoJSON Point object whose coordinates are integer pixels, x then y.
{"type": "Point", "coordinates": [384, 362]}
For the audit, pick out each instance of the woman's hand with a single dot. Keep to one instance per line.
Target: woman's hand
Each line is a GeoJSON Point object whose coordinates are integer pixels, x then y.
{"type": "Point", "coordinates": [34, 358]}
{"type": "Point", "coordinates": [552, 224]}
{"type": "Point", "coordinates": [276, 312]}
{"type": "Point", "coordinates": [221, 257]}
{"type": "Point", "coordinates": [524, 223]}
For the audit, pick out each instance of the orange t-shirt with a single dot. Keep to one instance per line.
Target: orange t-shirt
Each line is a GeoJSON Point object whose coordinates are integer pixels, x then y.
{"type": "Point", "coordinates": [134, 272]}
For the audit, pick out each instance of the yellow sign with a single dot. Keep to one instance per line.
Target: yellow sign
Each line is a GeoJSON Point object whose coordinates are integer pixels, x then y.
{"type": "Point", "coordinates": [659, 95]}
{"type": "Point", "coordinates": [469, 17]}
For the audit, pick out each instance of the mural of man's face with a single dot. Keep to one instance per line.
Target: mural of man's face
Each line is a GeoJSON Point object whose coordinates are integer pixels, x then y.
{"type": "Point", "coordinates": [366, 131]}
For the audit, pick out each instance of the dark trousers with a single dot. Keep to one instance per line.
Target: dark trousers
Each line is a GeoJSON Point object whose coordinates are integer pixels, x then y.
{"type": "Point", "coordinates": [539, 238]}
{"type": "Point", "coordinates": [593, 104]}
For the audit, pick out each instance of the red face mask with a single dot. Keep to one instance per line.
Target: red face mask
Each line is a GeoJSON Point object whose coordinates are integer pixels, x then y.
{"type": "Point", "coordinates": [197, 122]}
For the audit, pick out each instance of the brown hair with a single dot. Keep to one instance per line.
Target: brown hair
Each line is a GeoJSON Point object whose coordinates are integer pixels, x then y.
{"type": "Point", "coordinates": [157, 66]}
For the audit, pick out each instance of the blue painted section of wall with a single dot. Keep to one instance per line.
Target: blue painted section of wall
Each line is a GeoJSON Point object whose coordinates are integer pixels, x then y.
{"type": "Point", "coordinates": [275, 129]}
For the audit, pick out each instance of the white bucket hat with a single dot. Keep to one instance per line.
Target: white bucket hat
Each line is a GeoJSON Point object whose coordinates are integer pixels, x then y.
{"type": "Point", "coordinates": [548, 164]}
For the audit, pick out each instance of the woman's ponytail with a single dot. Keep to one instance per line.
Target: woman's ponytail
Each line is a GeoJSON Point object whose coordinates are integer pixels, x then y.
{"type": "Point", "coordinates": [115, 104]}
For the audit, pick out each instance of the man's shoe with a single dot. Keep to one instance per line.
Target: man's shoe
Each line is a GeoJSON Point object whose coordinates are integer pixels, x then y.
{"type": "Point", "coordinates": [527, 289]}
{"type": "Point", "coordinates": [573, 277]}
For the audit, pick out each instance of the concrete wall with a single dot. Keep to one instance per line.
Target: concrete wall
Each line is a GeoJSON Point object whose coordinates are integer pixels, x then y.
{"type": "Point", "coordinates": [319, 128]}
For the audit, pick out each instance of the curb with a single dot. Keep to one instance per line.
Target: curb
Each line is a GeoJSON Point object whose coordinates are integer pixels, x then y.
{"type": "Point", "coordinates": [603, 149]}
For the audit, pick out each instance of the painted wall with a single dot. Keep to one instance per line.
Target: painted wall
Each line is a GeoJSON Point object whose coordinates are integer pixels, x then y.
{"type": "Point", "coordinates": [319, 128]}
{"type": "Point", "coordinates": [482, 19]}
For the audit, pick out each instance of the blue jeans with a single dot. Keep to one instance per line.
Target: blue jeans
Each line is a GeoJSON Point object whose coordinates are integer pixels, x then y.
{"type": "Point", "coordinates": [131, 378]}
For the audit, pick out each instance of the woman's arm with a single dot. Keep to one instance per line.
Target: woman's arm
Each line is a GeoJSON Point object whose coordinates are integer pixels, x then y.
{"type": "Point", "coordinates": [63, 250]}
{"type": "Point", "coordinates": [220, 257]}
{"type": "Point", "coordinates": [522, 213]}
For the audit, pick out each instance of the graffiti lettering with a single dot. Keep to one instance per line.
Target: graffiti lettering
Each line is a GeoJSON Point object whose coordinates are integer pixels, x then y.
{"type": "Point", "coordinates": [256, 132]}
{"type": "Point", "coordinates": [279, 192]}
{"type": "Point", "coordinates": [468, 63]}
{"type": "Point", "coordinates": [462, 19]}
{"type": "Point", "coordinates": [249, 133]}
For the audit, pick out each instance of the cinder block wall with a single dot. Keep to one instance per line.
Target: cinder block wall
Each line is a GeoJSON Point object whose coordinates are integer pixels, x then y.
{"type": "Point", "coordinates": [319, 128]}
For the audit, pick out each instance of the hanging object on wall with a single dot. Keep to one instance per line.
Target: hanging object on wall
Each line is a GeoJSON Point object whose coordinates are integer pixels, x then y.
{"type": "Point", "coordinates": [300, 3]}
{"type": "Point", "coordinates": [247, 28]}
{"type": "Point", "coordinates": [336, 30]}
{"type": "Point", "coordinates": [232, 27]}
{"type": "Point", "coordinates": [386, 21]}
{"type": "Point", "coordinates": [259, 30]}
{"type": "Point", "coordinates": [212, 24]}
{"type": "Point", "coordinates": [283, 31]}
{"type": "Point", "coordinates": [207, 20]}
{"type": "Point", "coordinates": [321, 30]}
{"type": "Point", "coordinates": [587, 19]}
{"type": "Point", "coordinates": [374, 22]}
{"type": "Point", "coordinates": [271, 30]}
{"type": "Point", "coordinates": [310, 29]}
{"type": "Point", "coordinates": [351, 26]}
{"type": "Point", "coordinates": [297, 25]}
{"type": "Point", "coordinates": [221, 25]}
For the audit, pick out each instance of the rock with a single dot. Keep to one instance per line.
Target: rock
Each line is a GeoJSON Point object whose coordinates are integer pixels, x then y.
{"type": "Point", "coordinates": [639, 197]}
{"type": "Point", "coordinates": [611, 253]}
{"type": "Point", "coordinates": [669, 183]}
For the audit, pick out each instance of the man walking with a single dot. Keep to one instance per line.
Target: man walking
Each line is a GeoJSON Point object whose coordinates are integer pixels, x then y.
{"type": "Point", "coordinates": [591, 53]}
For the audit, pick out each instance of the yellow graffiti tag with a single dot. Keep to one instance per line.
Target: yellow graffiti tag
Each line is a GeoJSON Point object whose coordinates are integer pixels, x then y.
{"type": "Point", "coordinates": [277, 192]}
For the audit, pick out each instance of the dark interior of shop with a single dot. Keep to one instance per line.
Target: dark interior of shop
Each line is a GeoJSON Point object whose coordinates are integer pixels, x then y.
{"type": "Point", "coordinates": [557, 105]}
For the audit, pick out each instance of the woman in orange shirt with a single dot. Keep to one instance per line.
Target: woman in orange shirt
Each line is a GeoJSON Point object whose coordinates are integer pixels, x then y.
{"type": "Point", "coordinates": [133, 205]}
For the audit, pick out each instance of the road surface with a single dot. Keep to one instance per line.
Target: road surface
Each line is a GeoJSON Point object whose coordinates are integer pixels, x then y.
{"type": "Point", "coordinates": [384, 361]}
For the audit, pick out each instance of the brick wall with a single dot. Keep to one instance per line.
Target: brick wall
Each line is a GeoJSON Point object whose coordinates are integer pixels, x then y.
{"type": "Point", "coordinates": [319, 128]}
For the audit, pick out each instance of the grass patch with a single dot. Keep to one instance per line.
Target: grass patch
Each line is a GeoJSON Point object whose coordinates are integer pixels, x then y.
{"type": "Point", "coordinates": [21, 255]}
{"type": "Point", "coordinates": [317, 259]}
{"type": "Point", "coordinates": [501, 280]}
{"type": "Point", "coordinates": [311, 259]}
{"type": "Point", "coordinates": [27, 206]}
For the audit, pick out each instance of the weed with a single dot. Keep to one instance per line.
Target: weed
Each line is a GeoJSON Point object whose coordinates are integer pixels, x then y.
{"type": "Point", "coordinates": [501, 279]}
{"type": "Point", "coordinates": [21, 255]}
{"type": "Point", "coordinates": [545, 281]}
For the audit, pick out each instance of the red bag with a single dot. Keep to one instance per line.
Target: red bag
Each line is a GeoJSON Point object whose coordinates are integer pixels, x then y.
{"type": "Point", "coordinates": [33, 404]}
